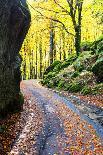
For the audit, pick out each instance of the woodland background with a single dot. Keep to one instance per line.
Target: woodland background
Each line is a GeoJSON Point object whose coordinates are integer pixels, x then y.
{"type": "Point", "coordinates": [52, 36]}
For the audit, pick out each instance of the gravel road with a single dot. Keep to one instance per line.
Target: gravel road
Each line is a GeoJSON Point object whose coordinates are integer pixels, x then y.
{"type": "Point", "coordinates": [55, 126]}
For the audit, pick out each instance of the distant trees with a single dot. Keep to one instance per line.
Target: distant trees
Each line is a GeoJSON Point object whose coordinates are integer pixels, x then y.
{"type": "Point", "coordinates": [75, 13]}
{"type": "Point", "coordinates": [58, 27]}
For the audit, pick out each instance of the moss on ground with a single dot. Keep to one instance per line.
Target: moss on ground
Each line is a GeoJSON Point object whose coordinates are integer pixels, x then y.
{"type": "Point", "coordinates": [78, 74]}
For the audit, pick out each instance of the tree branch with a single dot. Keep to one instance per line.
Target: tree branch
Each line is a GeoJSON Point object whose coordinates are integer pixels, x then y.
{"type": "Point", "coordinates": [55, 20]}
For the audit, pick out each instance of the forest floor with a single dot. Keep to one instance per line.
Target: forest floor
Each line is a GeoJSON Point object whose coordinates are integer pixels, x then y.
{"type": "Point", "coordinates": [53, 124]}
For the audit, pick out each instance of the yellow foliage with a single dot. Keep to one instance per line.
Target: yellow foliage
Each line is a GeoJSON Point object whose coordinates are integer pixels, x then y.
{"type": "Point", "coordinates": [35, 50]}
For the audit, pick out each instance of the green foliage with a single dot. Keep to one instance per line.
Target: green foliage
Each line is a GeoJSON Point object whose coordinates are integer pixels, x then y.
{"type": "Point", "coordinates": [57, 68]}
{"type": "Point", "coordinates": [97, 89]}
{"type": "Point", "coordinates": [98, 69]}
{"type": "Point", "coordinates": [69, 61]}
{"type": "Point", "coordinates": [67, 86]}
{"type": "Point", "coordinates": [61, 84]}
{"type": "Point", "coordinates": [86, 90]}
{"type": "Point", "coordinates": [52, 66]}
{"type": "Point", "coordinates": [75, 74]}
{"type": "Point", "coordinates": [50, 75]}
{"type": "Point", "coordinates": [47, 79]}
{"type": "Point", "coordinates": [50, 84]}
{"type": "Point", "coordinates": [86, 46]}
{"type": "Point", "coordinates": [84, 61]}
{"type": "Point", "coordinates": [75, 87]}
{"type": "Point", "coordinates": [97, 46]}
{"type": "Point", "coordinates": [65, 64]}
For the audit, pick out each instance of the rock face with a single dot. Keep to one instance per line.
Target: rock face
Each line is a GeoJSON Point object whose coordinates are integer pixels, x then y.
{"type": "Point", "coordinates": [14, 24]}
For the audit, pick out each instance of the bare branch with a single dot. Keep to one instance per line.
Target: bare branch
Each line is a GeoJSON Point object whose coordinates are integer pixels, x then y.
{"type": "Point", "coordinates": [55, 20]}
{"type": "Point", "coordinates": [64, 10]}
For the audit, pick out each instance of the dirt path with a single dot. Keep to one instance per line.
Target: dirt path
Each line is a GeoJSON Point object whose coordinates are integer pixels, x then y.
{"type": "Point", "coordinates": [53, 126]}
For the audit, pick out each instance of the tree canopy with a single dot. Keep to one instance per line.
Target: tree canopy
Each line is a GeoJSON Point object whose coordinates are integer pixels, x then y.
{"type": "Point", "coordinates": [58, 28]}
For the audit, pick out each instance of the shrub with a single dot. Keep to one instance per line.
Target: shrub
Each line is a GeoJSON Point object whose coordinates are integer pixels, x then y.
{"type": "Point", "coordinates": [55, 81]}
{"type": "Point", "coordinates": [97, 89]}
{"type": "Point", "coordinates": [61, 84]}
{"type": "Point", "coordinates": [75, 74]}
{"type": "Point", "coordinates": [50, 84]}
{"type": "Point", "coordinates": [65, 64]}
{"type": "Point", "coordinates": [52, 66]}
{"type": "Point", "coordinates": [57, 68]}
{"type": "Point", "coordinates": [67, 86]}
{"type": "Point", "coordinates": [97, 46]}
{"type": "Point", "coordinates": [86, 46]}
{"type": "Point", "coordinates": [86, 90]}
{"type": "Point", "coordinates": [75, 87]}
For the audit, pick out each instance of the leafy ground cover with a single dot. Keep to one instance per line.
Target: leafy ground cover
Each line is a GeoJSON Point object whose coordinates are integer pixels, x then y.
{"type": "Point", "coordinates": [83, 74]}
{"type": "Point", "coordinates": [48, 126]}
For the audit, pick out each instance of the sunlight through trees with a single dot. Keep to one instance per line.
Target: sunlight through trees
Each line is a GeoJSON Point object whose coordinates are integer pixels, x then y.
{"type": "Point", "coordinates": [58, 27]}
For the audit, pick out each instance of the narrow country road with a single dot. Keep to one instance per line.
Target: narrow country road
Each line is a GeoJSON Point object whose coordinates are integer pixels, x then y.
{"type": "Point", "coordinates": [53, 126]}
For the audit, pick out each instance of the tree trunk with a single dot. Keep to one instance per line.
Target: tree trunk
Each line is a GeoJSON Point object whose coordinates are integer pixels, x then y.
{"type": "Point", "coordinates": [51, 45]}
{"type": "Point", "coordinates": [14, 24]}
{"type": "Point", "coordinates": [41, 57]}
{"type": "Point", "coordinates": [77, 39]}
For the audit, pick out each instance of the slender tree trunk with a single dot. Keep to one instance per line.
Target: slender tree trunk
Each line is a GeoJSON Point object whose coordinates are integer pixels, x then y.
{"type": "Point", "coordinates": [51, 46]}
{"type": "Point", "coordinates": [36, 67]}
{"type": "Point", "coordinates": [54, 52]}
{"type": "Point", "coordinates": [52, 42]}
{"type": "Point", "coordinates": [63, 38]}
{"type": "Point", "coordinates": [60, 49]}
{"type": "Point", "coordinates": [78, 39]}
{"type": "Point", "coordinates": [40, 50]}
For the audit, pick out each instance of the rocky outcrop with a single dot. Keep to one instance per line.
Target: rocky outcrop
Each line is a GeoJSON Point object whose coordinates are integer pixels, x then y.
{"type": "Point", "coordinates": [14, 24]}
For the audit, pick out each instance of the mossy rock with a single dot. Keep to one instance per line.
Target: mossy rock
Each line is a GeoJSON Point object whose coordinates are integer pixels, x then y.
{"type": "Point", "coordinates": [85, 78]}
{"type": "Point", "coordinates": [85, 61]}
{"type": "Point", "coordinates": [98, 69]}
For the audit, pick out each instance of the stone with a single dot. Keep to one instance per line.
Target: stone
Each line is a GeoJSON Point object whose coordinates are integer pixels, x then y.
{"type": "Point", "coordinates": [14, 24]}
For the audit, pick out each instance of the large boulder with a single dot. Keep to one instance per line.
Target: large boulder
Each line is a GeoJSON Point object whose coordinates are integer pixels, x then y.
{"type": "Point", "coordinates": [14, 24]}
{"type": "Point", "coordinates": [85, 61]}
